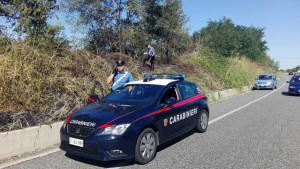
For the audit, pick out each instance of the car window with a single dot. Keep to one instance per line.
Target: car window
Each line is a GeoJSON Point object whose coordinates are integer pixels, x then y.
{"type": "Point", "coordinates": [171, 93]}
{"type": "Point", "coordinates": [264, 77]}
{"type": "Point", "coordinates": [187, 90]}
{"type": "Point", "coordinates": [134, 94]}
{"type": "Point", "coordinates": [296, 79]}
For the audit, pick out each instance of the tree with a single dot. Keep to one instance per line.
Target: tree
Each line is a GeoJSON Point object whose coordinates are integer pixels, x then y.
{"type": "Point", "coordinates": [228, 39]}
{"type": "Point", "coordinates": [28, 17]}
{"type": "Point", "coordinates": [164, 22]}
{"type": "Point", "coordinates": [94, 16]}
{"type": "Point", "coordinates": [128, 25]}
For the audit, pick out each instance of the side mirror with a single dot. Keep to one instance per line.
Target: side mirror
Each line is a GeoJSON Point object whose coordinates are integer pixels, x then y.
{"type": "Point", "coordinates": [169, 101]}
{"type": "Point", "coordinates": [92, 98]}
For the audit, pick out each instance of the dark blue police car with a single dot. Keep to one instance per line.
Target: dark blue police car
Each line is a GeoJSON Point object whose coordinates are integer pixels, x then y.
{"type": "Point", "coordinates": [294, 86]}
{"type": "Point", "coordinates": [133, 120]}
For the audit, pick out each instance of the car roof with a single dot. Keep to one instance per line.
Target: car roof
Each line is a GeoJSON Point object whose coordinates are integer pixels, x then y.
{"type": "Point", "coordinates": [296, 76]}
{"type": "Point", "coordinates": [161, 82]}
{"type": "Point", "coordinates": [268, 74]}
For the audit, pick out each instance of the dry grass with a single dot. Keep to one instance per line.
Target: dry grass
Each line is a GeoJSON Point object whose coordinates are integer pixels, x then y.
{"type": "Point", "coordinates": [42, 86]}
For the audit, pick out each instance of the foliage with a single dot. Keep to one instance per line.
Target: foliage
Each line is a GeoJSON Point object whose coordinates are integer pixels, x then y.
{"type": "Point", "coordinates": [165, 21]}
{"type": "Point", "coordinates": [128, 25]}
{"type": "Point", "coordinates": [228, 39]}
{"type": "Point", "coordinates": [234, 72]}
{"type": "Point", "coordinates": [295, 69]}
{"type": "Point", "coordinates": [30, 16]}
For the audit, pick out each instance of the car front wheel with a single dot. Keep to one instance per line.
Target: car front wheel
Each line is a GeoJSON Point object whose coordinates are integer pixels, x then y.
{"type": "Point", "coordinates": [202, 123]}
{"type": "Point", "coordinates": [145, 148]}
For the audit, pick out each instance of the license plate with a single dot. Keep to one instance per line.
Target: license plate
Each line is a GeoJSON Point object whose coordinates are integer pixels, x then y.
{"type": "Point", "coordinates": [75, 142]}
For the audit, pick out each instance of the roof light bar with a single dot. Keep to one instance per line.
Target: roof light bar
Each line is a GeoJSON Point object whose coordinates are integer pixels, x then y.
{"type": "Point", "coordinates": [148, 78]}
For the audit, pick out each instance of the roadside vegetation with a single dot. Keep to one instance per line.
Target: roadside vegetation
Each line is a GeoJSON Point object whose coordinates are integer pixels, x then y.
{"type": "Point", "coordinates": [295, 69]}
{"type": "Point", "coordinates": [43, 77]}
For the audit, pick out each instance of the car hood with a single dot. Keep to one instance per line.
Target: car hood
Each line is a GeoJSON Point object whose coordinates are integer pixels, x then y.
{"type": "Point", "coordinates": [295, 84]}
{"type": "Point", "coordinates": [261, 81]}
{"type": "Point", "coordinates": [96, 114]}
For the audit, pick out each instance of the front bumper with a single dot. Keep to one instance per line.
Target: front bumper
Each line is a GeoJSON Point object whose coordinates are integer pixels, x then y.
{"type": "Point", "coordinates": [295, 91]}
{"type": "Point", "coordinates": [101, 148]}
{"type": "Point", "coordinates": [261, 86]}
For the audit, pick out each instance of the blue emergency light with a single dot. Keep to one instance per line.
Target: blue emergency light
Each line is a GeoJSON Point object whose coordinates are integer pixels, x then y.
{"type": "Point", "coordinates": [150, 77]}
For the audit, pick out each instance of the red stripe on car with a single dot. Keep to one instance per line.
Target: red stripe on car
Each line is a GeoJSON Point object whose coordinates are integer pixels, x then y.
{"type": "Point", "coordinates": [108, 123]}
{"type": "Point", "coordinates": [68, 118]}
{"type": "Point", "coordinates": [197, 97]}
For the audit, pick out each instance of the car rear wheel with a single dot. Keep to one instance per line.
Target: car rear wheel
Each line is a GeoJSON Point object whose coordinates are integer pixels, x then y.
{"type": "Point", "coordinates": [202, 123]}
{"type": "Point", "coordinates": [145, 148]}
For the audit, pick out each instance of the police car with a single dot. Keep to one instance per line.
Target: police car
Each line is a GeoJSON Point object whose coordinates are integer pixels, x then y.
{"type": "Point", "coordinates": [133, 120]}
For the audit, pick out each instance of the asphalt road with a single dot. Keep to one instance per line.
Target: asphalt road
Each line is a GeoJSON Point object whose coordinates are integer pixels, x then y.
{"type": "Point", "coordinates": [260, 129]}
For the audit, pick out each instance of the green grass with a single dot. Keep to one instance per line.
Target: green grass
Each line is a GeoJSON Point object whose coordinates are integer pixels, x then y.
{"type": "Point", "coordinates": [234, 72]}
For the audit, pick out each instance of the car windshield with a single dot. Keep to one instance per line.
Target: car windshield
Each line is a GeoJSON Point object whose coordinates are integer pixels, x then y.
{"type": "Point", "coordinates": [296, 79]}
{"type": "Point", "coordinates": [134, 94]}
{"type": "Point", "coordinates": [264, 77]}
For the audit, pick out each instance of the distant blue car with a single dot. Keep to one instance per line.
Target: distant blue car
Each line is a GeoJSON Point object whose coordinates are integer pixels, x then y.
{"type": "Point", "coordinates": [133, 120]}
{"type": "Point", "coordinates": [294, 87]}
{"type": "Point", "coordinates": [266, 81]}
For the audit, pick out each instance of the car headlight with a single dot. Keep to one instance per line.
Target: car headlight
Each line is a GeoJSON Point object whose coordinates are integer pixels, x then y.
{"type": "Point", "coordinates": [114, 130]}
{"type": "Point", "coordinates": [292, 87]}
{"type": "Point", "coordinates": [268, 83]}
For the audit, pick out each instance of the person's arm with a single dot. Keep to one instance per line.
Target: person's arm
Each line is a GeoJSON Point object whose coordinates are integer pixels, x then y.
{"type": "Point", "coordinates": [153, 52]}
{"type": "Point", "coordinates": [110, 78]}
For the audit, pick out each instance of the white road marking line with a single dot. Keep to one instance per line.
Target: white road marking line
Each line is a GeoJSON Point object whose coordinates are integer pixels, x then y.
{"type": "Point", "coordinates": [233, 111]}
{"type": "Point", "coordinates": [27, 158]}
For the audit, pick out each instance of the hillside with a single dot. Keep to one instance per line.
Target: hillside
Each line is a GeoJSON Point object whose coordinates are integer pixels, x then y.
{"type": "Point", "coordinates": [38, 86]}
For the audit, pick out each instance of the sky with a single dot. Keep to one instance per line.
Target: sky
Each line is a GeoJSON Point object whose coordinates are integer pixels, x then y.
{"type": "Point", "coordinates": [280, 18]}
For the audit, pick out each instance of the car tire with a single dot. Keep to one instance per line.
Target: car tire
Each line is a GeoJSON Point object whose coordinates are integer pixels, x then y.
{"type": "Point", "coordinates": [146, 146]}
{"type": "Point", "coordinates": [202, 122]}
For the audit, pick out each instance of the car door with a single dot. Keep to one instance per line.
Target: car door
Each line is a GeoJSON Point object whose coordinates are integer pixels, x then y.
{"type": "Point", "coordinates": [190, 110]}
{"type": "Point", "coordinates": [169, 128]}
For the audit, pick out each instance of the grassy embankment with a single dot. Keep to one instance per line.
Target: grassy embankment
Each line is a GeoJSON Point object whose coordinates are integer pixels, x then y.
{"type": "Point", "coordinates": [38, 86]}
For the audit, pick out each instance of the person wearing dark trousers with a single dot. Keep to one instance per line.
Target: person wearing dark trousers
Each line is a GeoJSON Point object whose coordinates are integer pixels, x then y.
{"type": "Point", "coordinates": [119, 76]}
{"type": "Point", "coordinates": [150, 55]}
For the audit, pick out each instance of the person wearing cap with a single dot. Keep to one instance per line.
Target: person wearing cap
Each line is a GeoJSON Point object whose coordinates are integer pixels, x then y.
{"type": "Point", "coordinates": [119, 76]}
{"type": "Point", "coordinates": [150, 55]}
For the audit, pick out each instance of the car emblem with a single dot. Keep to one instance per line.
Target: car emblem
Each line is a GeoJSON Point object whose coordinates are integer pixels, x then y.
{"type": "Point", "coordinates": [77, 130]}
{"type": "Point", "coordinates": [165, 122]}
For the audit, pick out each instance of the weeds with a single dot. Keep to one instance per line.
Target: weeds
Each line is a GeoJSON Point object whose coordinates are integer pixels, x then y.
{"type": "Point", "coordinates": [40, 86]}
